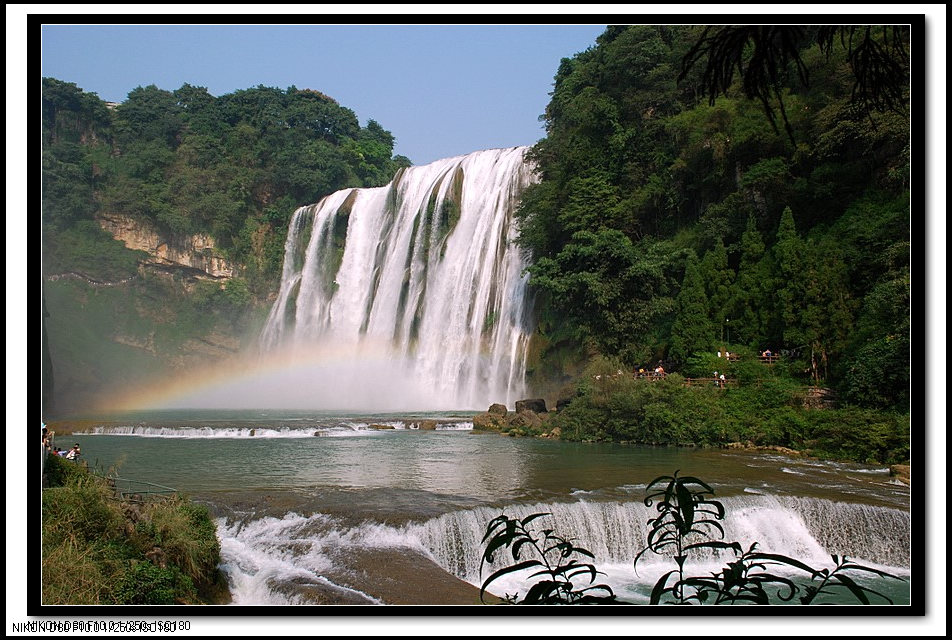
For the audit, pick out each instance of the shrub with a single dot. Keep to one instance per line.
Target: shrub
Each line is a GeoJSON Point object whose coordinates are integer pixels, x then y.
{"type": "Point", "coordinates": [93, 554]}
{"type": "Point", "coordinates": [145, 583]}
{"type": "Point", "coordinates": [186, 533]}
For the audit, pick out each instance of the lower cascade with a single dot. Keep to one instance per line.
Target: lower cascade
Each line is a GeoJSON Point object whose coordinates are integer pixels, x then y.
{"type": "Point", "coordinates": [415, 290]}
{"type": "Point", "coordinates": [262, 556]}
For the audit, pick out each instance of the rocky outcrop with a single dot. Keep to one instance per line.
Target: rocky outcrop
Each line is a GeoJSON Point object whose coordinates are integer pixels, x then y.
{"type": "Point", "coordinates": [536, 405]}
{"type": "Point", "coordinates": [819, 398]}
{"type": "Point", "coordinates": [489, 422]}
{"type": "Point", "coordinates": [525, 421]}
{"type": "Point", "coordinates": [750, 446]}
{"type": "Point", "coordinates": [901, 472]}
{"type": "Point", "coordinates": [195, 253]}
{"type": "Point", "coordinates": [422, 425]}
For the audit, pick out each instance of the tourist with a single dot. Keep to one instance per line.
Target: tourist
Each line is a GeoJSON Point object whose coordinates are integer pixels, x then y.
{"type": "Point", "coordinates": [73, 453]}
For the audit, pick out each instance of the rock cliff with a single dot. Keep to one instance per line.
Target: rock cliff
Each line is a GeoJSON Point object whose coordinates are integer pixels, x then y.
{"type": "Point", "coordinates": [196, 254]}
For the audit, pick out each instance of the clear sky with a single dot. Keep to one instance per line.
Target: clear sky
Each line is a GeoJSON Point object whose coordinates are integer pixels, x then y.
{"type": "Point", "coordinates": [442, 90]}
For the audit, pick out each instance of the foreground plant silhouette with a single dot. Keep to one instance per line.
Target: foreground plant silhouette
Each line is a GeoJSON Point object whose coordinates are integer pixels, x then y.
{"type": "Point", "coordinates": [687, 524]}
{"type": "Point", "coordinates": [553, 556]}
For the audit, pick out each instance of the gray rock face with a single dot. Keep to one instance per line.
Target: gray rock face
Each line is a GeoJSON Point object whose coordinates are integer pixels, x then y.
{"type": "Point", "coordinates": [536, 405]}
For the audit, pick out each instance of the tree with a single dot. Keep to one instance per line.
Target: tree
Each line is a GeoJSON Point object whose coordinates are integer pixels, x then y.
{"type": "Point", "coordinates": [718, 278]}
{"type": "Point", "coordinates": [768, 56]}
{"type": "Point", "coordinates": [826, 316]}
{"type": "Point", "coordinates": [751, 303]}
{"type": "Point", "coordinates": [788, 254]}
{"type": "Point", "coordinates": [70, 114]}
{"type": "Point", "coordinates": [692, 330]}
{"type": "Point", "coordinates": [150, 113]}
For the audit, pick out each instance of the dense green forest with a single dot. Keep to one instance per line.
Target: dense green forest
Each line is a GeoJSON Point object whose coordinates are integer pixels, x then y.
{"type": "Point", "coordinates": [697, 198]}
{"type": "Point", "coordinates": [233, 167]}
{"type": "Point", "coordinates": [693, 198]}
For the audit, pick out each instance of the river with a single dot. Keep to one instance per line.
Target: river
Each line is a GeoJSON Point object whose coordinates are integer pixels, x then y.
{"type": "Point", "coordinates": [343, 509]}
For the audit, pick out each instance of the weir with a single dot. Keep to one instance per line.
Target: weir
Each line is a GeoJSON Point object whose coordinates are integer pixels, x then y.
{"type": "Point", "coordinates": [808, 529]}
{"type": "Point", "coordinates": [420, 277]}
{"type": "Point", "coordinates": [260, 553]}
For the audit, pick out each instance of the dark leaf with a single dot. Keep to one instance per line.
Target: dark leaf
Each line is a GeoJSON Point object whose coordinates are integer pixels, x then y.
{"type": "Point", "coordinates": [528, 564]}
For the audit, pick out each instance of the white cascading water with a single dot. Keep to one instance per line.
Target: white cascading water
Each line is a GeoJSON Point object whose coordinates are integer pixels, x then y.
{"type": "Point", "coordinates": [260, 554]}
{"type": "Point", "coordinates": [421, 278]}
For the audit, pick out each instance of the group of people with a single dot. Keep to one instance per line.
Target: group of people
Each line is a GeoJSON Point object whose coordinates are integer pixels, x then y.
{"type": "Point", "coordinates": [71, 454]}
{"type": "Point", "coordinates": [658, 372]}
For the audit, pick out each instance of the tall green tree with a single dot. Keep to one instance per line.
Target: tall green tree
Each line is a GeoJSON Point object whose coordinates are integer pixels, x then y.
{"type": "Point", "coordinates": [718, 278]}
{"type": "Point", "coordinates": [751, 302]}
{"type": "Point", "coordinates": [826, 315]}
{"type": "Point", "coordinates": [789, 255]}
{"type": "Point", "coordinates": [692, 331]}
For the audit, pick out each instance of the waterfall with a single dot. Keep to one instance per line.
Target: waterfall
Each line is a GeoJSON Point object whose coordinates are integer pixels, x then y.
{"type": "Point", "coordinates": [419, 280]}
{"type": "Point", "coordinates": [261, 554]}
{"type": "Point", "coordinates": [809, 529]}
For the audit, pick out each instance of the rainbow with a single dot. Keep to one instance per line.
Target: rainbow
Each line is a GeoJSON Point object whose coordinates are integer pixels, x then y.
{"type": "Point", "coordinates": [325, 376]}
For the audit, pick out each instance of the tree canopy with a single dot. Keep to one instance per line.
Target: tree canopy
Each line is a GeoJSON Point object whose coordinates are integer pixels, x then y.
{"type": "Point", "coordinates": [233, 166]}
{"type": "Point", "coordinates": [663, 146]}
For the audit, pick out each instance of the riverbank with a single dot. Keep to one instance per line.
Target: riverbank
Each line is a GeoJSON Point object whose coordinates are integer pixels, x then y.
{"type": "Point", "coordinates": [767, 413]}
{"type": "Point", "coordinates": [98, 549]}
{"type": "Point", "coordinates": [546, 425]}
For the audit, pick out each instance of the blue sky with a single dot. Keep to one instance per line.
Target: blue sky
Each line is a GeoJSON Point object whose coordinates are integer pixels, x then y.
{"type": "Point", "coordinates": [442, 90]}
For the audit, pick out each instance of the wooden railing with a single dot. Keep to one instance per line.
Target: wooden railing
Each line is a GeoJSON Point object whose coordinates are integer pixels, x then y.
{"type": "Point", "coordinates": [715, 382]}
{"type": "Point", "coordinates": [137, 490]}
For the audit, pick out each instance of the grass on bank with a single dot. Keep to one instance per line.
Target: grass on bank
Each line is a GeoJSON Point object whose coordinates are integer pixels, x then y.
{"type": "Point", "coordinates": [99, 550]}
